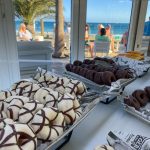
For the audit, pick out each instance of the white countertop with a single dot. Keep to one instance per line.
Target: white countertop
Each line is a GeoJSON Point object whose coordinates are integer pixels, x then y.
{"type": "Point", "coordinates": [94, 129]}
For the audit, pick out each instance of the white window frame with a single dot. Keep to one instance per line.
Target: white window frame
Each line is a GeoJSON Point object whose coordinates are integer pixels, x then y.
{"type": "Point", "coordinates": [9, 65]}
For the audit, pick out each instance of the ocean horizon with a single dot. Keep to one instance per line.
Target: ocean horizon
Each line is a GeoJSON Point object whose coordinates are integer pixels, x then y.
{"type": "Point", "coordinates": [116, 28]}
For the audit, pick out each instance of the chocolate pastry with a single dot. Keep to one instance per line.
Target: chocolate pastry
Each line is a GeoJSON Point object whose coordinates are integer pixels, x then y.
{"type": "Point", "coordinates": [141, 96]}
{"type": "Point", "coordinates": [87, 61]}
{"type": "Point", "coordinates": [90, 74]}
{"type": "Point", "coordinates": [105, 59]}
{"type": "Point", "coordinates": [83, 72]}
{"type": "Point", "coordinates": [125, 74]}
{"type": "Point", "coordinates": [84, 66]}
{"type": "Point", "coordinates": [132, 101]}
{"type": "Point", "coordinates": [76, 69]}
{"type": "Point", "coordinates": [77, 63]}
{"type": "Point", "coordinates": [92, 67]}
{"type": "Point", "coordinates": [147, 90]}
{"type": "Point", "coordinates": [69, 67]}
{"type": "Point", "coordinates": [108, 77]}
{"type": "Point", "coordinates": [98, 78]}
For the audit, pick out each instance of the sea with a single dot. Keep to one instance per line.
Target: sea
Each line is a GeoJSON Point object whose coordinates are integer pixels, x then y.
{"type": "Point", "coordinates": [116, 28]}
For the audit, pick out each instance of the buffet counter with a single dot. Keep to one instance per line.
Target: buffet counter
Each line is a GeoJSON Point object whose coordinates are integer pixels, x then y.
{"type": "Point", "coordinates": [104, 118]}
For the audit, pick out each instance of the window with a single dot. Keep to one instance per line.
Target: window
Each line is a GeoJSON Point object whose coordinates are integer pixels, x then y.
{"type": "Point", "coordinates": [114, 17]}
{"type": "Point", "coordinates": [43, 38]}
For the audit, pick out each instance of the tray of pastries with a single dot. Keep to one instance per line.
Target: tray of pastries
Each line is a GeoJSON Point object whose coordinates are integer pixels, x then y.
{"type": "Point", "coordinates": [138, 104]}
{"type": "Point", "coordinates": [38, 113]}
{"type": "Point", "coordinates": [101, 74]}
{"type": "Point", "coordinates": [140, 67]}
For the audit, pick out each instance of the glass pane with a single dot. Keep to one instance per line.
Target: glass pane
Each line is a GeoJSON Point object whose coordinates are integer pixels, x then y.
{"type": "Point", "coordinates": [43, 38]}
{"type": "Point", "coordinates": [113, 17]}
{"type": "Point", "coordinates": [146, 34]}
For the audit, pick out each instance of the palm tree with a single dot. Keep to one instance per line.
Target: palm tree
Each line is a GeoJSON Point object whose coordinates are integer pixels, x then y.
{"type": "Point", "coordinates": [59, 30]}
{"type": "Point", "coordinates": [28, 10]}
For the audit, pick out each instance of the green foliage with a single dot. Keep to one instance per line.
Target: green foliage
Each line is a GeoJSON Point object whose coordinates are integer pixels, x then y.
{"type": "Point", "coordinates": [30, 9]}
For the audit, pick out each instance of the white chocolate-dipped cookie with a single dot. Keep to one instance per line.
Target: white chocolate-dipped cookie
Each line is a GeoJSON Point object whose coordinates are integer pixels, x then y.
{"type": "Point", "coordinates": [75, 88]}
{"type": "Point", "coordinates": [48, 123]}
{"type": "Point", "coordinates": [28, 90]}
{"type": "Point", "coordinates": [13, 106]}
{"type": "Point", "coordinates": [70, 108]}
{"type": "Point", "coordinates": [17, 137]}
{"type": "Point", "coordinates": [39, 73]}
{"type": "Point", "coordinates": [42, 96]}
{"type": "Point", "coordinates": [4, 122]}
{"type": "Point", "coordinates": [28, 111]}
{"type": "Point", "coordinates": [20, 84]}
{"type": "Point", "coordinates": [57, 84]}
{"type": "Point", "coordinates": [104, 147]}
{"type": "Point", "coordinates": [4, 95]}
{"type": "Point", "coordinates": [43, 80]}
{"type": "Point", "coordinates": [3, 114]}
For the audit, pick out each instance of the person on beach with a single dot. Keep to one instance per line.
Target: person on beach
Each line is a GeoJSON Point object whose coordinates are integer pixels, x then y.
{"type": "Point", "coordinates": [102, 36]}
{"type": "Point", "coordinates": [88, 44]}
{"type": "Point", "coordinates": [124, 39]}
{"type": "Point", "coordinates": [24, 34]}
{"type": "Point", "coordinates": [100, 26]}
{"type": "Point", "coordinates": [108, 33]}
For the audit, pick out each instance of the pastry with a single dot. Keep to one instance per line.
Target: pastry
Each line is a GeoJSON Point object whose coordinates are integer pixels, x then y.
{"type": "Point", "coordinates": [57, 84]}
{"type": "Point", "coordinates": [90, 75]}
{"type": "Point", "coordinates": [141, 96]}
{"type": "Point", "coordinates": [75, 88]}
{"type": "Point", "coordinates": [147, 90]}
{"type": "Point", "coordinates": [77, 63]}
{"type": "Point", "coordinates": [13, 105]}
{"type": "Point", "coordinates": [70, 108]}
{"type": "Point", "coordinates": [108, 77]}
{"type": "Point", "coordinates": [83, 72]}
{"type": "Point", "coordinates": [48, 123]}
{"type": "Point", "coordinates": [5, 121]}
{"type": "Point", "coordinates": [104, 147]}
{"type": "Point", "coordinates": [28, 90]}
{"type": "Point", "coordinates": [17, 137]}
{"type": "Point", "coordinates": [69, 67]}
{"type": "Point", "coordinates": [46, 96]}
{"type": "Point", "coordinates": [19, 84]}
{"type": "Point", "coordinates": [3, 96]}
{"type": "Point", "coordinates": [132, 101]}
{"type": "Point", "coordinates": [43, 80]}
{"type": "Point", "coordinates": [28, 111]}
{"type": "Point", "coordinates": [98, 78]}
{"type": "Point", "coordinates": [39, 73]}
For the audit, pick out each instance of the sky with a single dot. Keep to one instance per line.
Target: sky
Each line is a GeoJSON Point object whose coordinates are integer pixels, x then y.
{"type": "Point", "coordinates": [106, 11]}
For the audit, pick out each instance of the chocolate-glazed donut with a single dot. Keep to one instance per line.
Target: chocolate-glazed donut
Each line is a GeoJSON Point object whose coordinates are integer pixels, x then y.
{"type": "Point", "coordinates": [83, 72]}
{"type": "Point", "coordinates": [92, 67]}
{"type": "Point", "coordinates": [108, 78]}
{"type": "Point", "coordinates": [147, 90]}
{"type": "Point", "coordinates": [77, 63]}
{"type": "Point", "coordinates": [87, 61]}
{"type": "Point", "coordinates": [141, 96]}
{"type": "Point", "coordinates": [69, 67]}
{"type": "Point", "coordinates": [121, 74]}
{"type": "Point", "coordinates": [98, 77]}
{"type": "Point", "coordinates": [84, 66]}
{"type": "Point", "coordinates": [90, 74]}
{"type": "Point", "coordinates": [76, 69]}
{"type": "Point", "coordinates": [132, 101]}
